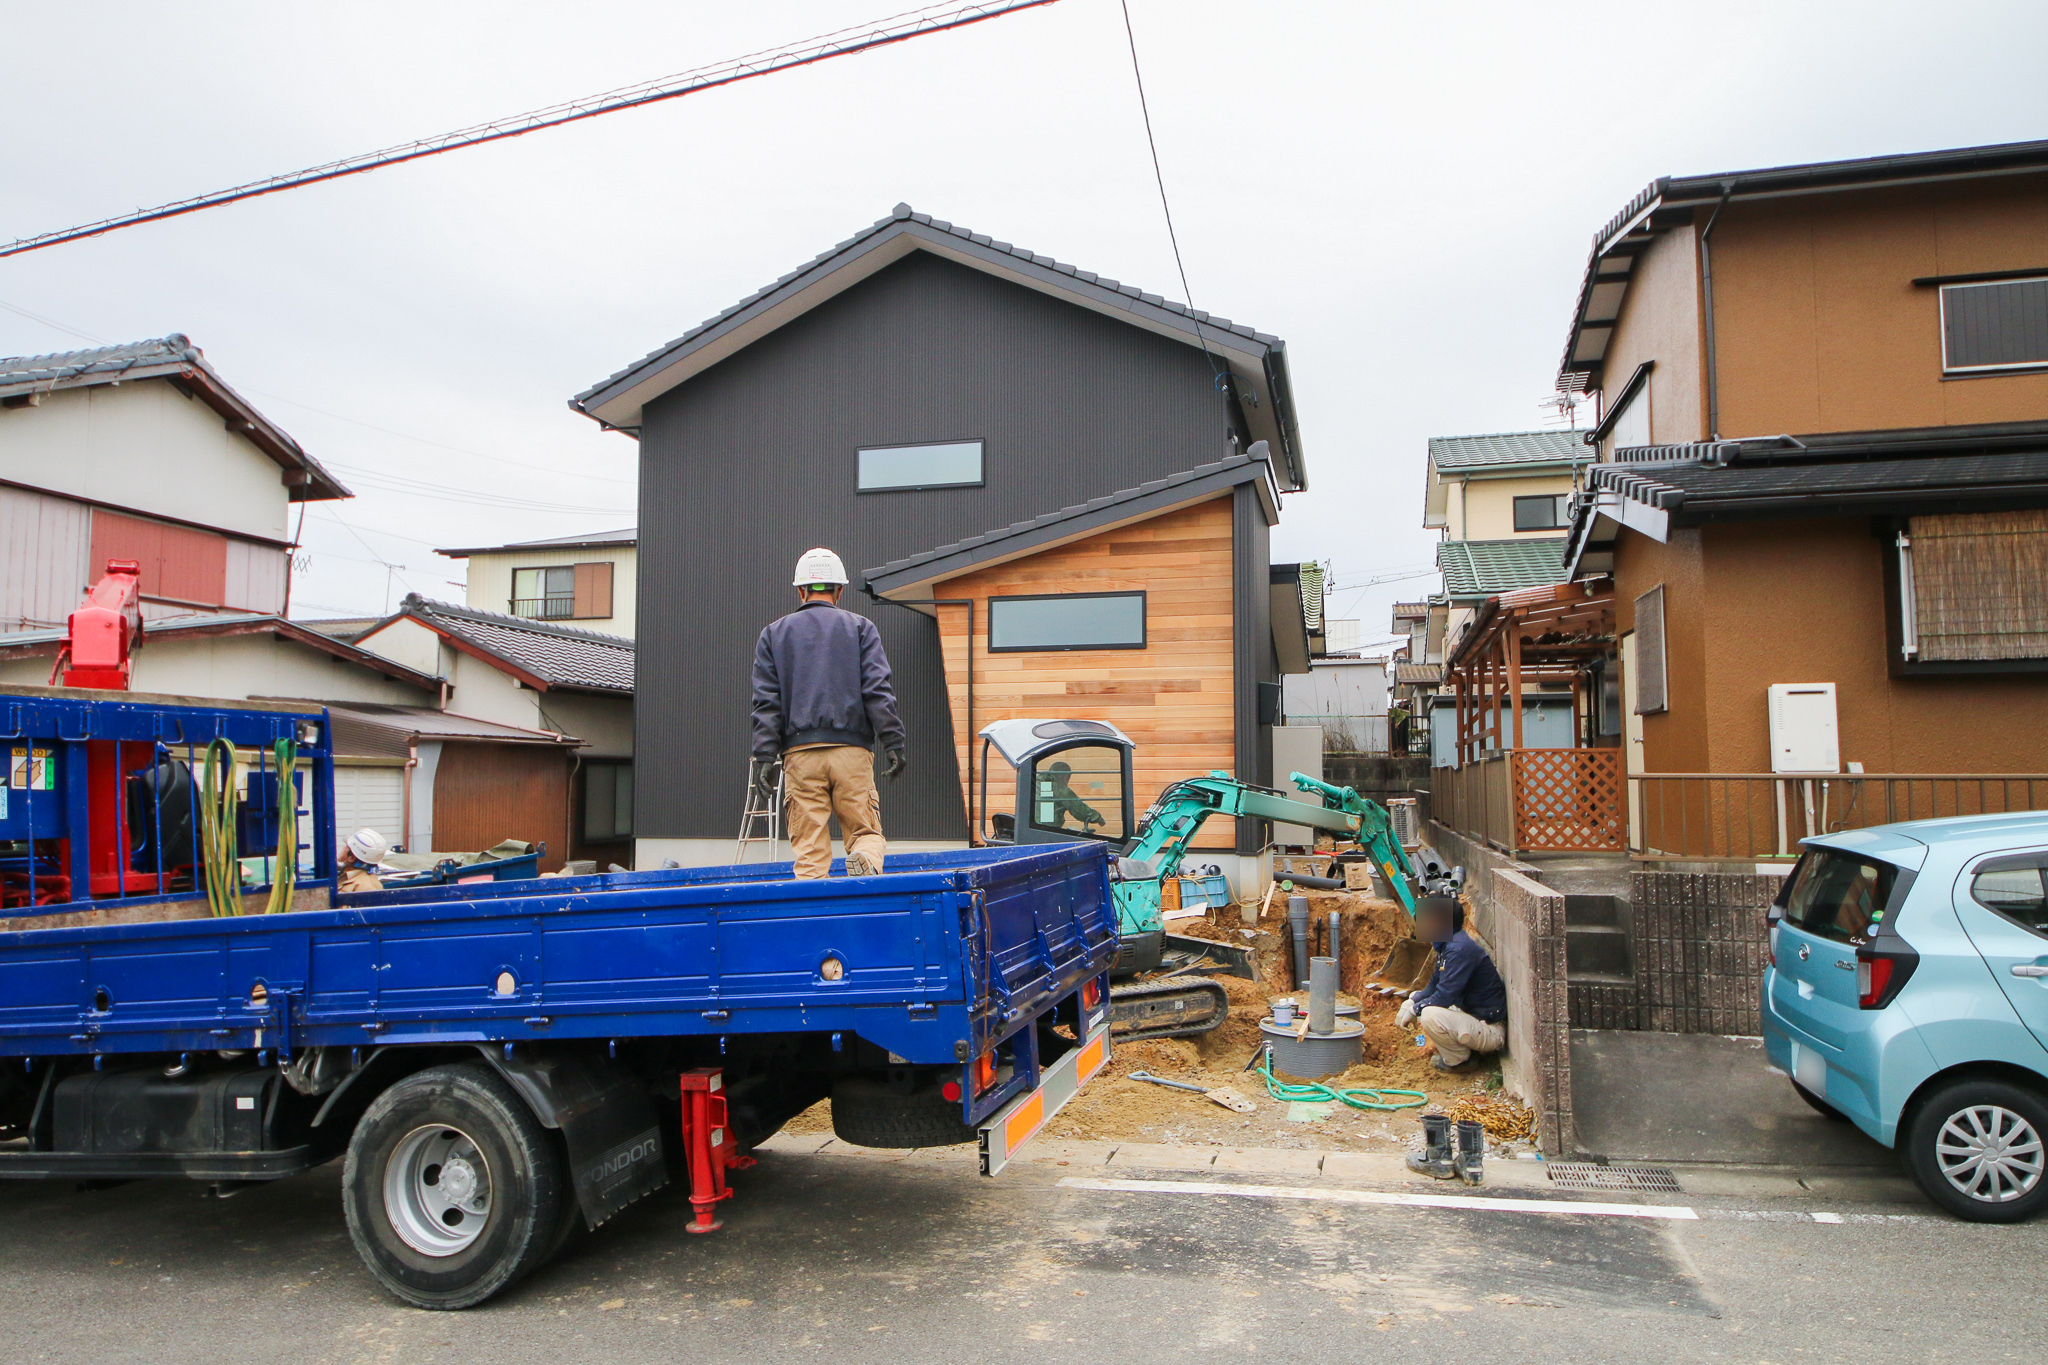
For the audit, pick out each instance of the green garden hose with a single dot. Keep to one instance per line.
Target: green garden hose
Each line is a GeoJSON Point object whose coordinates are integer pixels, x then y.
{"type": "Point", "coordinates": [1314, 1092]}
{"type": "Point", "coordinates": [217, 841]}
{"type": "Point", "coordinates": [284, 867]}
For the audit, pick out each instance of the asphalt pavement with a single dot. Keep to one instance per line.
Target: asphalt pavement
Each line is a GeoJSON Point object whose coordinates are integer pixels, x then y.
{"type": "Point", "coordinates": [1127, 1255]}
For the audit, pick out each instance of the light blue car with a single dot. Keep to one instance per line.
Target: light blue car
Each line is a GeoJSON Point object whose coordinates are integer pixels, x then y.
{"type": "Point", "coordinates": [1908, 993]}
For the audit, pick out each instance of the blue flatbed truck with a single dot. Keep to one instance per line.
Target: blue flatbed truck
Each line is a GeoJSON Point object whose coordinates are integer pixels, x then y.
{"type": "Point", "coordinates": [499, 1064]}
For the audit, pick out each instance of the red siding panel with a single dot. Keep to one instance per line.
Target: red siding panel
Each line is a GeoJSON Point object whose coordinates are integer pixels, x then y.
{"type": "Point", "coordinates": [178, 563]}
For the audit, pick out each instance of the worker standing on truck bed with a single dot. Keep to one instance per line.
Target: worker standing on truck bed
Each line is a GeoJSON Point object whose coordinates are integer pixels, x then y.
{"type": "Point", "coordinates": [823, 699]}
{"type": "Point", "coordinates": [1464, 1008]}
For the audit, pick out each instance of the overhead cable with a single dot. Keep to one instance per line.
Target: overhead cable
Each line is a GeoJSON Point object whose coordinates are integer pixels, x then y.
{"type": "Point", "coordinates": [880, 33]}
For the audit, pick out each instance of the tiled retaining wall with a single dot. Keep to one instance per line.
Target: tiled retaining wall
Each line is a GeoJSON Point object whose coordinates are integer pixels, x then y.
{"type": "Point", "coordinates": [1521, 921]}
{"type": "Point", "coordinates": [1700, 944]}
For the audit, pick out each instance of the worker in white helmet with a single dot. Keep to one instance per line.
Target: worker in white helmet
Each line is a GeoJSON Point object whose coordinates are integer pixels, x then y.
{"type": "Point", "coordinates": [823, 700]}
{"type": "Point", "coordinates": [358, 862]}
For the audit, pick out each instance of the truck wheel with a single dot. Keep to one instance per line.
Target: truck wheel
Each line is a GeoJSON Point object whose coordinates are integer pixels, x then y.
{"type": "Point", "coordinates": [1976, 1148]}
{"type": "Point", "coordinates": [870, 1114]}
{"type": "Point", "coordinates": [453, 1189]}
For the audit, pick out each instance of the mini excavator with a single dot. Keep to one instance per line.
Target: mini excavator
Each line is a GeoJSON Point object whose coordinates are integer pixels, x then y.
{"type": "Point", "coordinates": [1073, 782]}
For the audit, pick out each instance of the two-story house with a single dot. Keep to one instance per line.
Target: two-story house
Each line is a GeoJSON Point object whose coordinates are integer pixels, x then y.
{"type": "Point", "coordinates": [1502, 504]}
{"type": "Point", "coordinates": [1054, 492]}
{"type": "Point", "coordinates": [1822, 487]}
{"type": "Point", "coordinates": [589, 580]}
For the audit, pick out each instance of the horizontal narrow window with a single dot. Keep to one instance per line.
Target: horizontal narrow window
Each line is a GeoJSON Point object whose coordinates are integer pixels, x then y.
{"type": "Point", "coordinates": [953, 464]}
{"type": "Point", "coordinates": [1075, 620]}
{"type": "Point", "coordinates": [1999, 325]}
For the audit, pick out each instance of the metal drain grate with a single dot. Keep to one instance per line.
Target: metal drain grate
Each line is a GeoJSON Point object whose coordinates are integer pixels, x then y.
{"type": "Point", "coordinates": [1584, 1175]}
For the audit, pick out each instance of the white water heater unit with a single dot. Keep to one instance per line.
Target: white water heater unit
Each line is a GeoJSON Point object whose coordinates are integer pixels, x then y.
{"type": "Point", "coordinates": [1804, 736]}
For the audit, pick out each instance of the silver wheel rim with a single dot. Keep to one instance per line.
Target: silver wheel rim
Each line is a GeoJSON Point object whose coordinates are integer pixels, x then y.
{"type": "Point", "coordinates": [1989, 1153]}
{"type": "Point", "coordinates": [437, 1190]}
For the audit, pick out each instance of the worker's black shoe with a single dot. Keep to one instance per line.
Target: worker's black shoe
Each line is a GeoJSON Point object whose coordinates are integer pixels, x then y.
{"type": "Point", "coordinates": [1469, 1163]}
{"type": "Point", "coordinates": [1434, 1160]}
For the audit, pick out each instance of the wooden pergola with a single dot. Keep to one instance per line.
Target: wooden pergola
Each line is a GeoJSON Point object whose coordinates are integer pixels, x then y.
{"type": "Point", "coordinates": [1527, 637]}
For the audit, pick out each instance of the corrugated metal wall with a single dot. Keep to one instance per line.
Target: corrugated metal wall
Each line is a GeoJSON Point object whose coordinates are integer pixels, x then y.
{"type": "Point", "coordinates": [484, 793]}
{"type": "Point", "coordinates": [44, 570]}
{"type": "Point", "coordinates": [255, 577]}
{"type": "Point", "coordinates": [753, 462]}
{"type": "Point", "coordinates": [178, 562]}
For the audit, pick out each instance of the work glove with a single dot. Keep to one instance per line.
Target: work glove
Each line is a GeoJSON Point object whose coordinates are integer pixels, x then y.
{"type": "Point", "coordinates": [1405, 1016]}
{"type": "Point", "coordinates": [893, 764]}
{"type": "Point", "coordinates": [764, 781]}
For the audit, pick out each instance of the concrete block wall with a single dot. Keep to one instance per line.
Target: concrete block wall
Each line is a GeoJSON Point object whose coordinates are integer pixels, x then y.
{"type": "Point", "coordinates": [1700, 945]}
{"type": "Point", "coordinates": [1521, 922]}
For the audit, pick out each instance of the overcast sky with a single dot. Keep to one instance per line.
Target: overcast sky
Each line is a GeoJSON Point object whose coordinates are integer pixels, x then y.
{"type": "Point", "coordinates": [1405, 193]}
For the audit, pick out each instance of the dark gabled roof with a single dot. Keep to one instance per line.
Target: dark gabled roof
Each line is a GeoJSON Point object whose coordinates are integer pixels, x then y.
{"type": "Point", "coordinates": [1071, 523]}
{"type": "Point", "coordinates": [540, 654]}
{"type": "Point", "coordinates": [600, 540]}
{"type": "Point", "coordinates": [1257, 359]}
{"type": "Point", "coordinates": [1481, 568]}
{"type": "Point", "coordinates": [1696, 493]}
{"type": "Point", "coordinates": [1673, 200]}
{"type": "Point", "coordinates": [1462, 453]}
{"type": "Point", "coordinates": [24, 377]}
{"type": "Point", "coordinates": [31, 643]}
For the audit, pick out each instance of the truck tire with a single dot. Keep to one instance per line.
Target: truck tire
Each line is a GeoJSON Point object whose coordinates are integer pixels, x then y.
{"type": "Point", "coordinates": [452, 1188]}
{"type": "Point", "coordinates": [871, 1114]}
{"type": "Point", "coordinates": [1977, 1148]}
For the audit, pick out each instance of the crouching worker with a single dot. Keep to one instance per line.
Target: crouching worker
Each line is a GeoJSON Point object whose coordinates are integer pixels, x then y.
{"type": "Point", "coordinates": [1463, 1010]}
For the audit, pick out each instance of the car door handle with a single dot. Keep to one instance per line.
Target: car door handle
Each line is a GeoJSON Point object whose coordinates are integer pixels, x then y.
{"type": "Point", "coordinates": [2029, 969]}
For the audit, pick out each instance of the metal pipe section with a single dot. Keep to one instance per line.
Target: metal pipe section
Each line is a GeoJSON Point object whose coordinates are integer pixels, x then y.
{"type": "Point", "coordinates": [1322, 995]}
{"type": "Point", "coordinates": [1334, 948]}
{"type": "Point", "coordinates": [1297, 929]}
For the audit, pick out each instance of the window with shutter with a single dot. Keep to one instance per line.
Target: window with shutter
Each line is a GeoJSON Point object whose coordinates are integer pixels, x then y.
{"type": "Point", "coordinates": [1651, 696]}
{"type": "Point", "coordinates": [1974, 587]}
{"type": "Point", "coordinates": [593, 592]}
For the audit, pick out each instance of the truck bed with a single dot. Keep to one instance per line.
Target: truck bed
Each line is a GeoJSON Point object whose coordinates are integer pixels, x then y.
{"type": "Point", "coordinates": [943, 956]}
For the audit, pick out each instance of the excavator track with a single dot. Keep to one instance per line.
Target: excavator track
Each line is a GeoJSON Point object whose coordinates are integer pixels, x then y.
{"type": "Point", "coordinates": [1176, 1007]}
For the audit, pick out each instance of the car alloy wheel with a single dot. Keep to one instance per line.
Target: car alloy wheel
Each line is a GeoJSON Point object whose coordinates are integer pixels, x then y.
{"type": "Point", "coordinates": [1989, 1153]}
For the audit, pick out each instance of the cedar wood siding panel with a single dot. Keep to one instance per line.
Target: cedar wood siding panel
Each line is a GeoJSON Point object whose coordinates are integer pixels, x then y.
{"type": "Point", "coordinates": [751, 463]}
{"type": "Point", "coordinates": [486, 793]}
{"type": "Point", "coordinates": [1176, 698]}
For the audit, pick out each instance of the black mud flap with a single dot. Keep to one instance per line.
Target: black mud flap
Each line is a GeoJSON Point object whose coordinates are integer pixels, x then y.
{"type": "Point", "coordinates": [606, 1119]}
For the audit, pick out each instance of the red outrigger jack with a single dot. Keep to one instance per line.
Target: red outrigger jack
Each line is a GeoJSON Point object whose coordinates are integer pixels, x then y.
{"type": "Point", "coordinates": [707, 1142]}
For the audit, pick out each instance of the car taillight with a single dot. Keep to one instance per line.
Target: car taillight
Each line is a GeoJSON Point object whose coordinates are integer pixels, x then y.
{"type": "Point", "coordinates": [1881, 973]}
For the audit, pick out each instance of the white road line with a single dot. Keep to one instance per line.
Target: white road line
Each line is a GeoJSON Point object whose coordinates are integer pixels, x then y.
{"type": "Point", "coordinates": [1426, 1201]}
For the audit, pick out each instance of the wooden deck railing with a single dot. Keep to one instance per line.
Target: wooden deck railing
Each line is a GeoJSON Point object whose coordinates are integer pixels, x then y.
{"type": "Point", "coordinates": [1536, 800]}
{"type": "Point", "coordinates": [1765, 815]}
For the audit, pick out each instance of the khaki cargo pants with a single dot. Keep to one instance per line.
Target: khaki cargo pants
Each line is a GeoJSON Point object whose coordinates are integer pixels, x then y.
{"type": "Point", "coordinates": [1458, 1035]}
{"type": "Point", "coordinates": [820, 783]}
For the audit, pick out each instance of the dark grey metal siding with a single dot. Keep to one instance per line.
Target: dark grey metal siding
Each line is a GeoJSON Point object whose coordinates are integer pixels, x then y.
{"type": "Point", "coordinates": [1254, 661]}
{"type": "Point", "coordinates": [752, 462]}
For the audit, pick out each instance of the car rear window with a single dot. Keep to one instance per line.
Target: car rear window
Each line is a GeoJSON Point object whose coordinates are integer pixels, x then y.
{"type": "Point", "coordinates": [1838, 895]}
{"type": "Point", "coordinates": [2014, 888]}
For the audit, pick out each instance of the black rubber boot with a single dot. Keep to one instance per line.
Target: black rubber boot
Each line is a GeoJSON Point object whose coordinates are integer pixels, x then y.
{"type": "Point", "coordinates": [1470, 1161]}
{"type": "Point", "coordinates": [1434, 1160]}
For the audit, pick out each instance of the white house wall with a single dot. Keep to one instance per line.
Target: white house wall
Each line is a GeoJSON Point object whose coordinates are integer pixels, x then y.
{"type": "Point", "coordinates": [237, 667]}
{"type": "Point", "coordinates": [605, 722]}
{"type": "Point", "coordinates": [490, 582]}
{"type": "Point", "coordinates": [255, 578]}
{"type": "Point", "coordinates": [407, 642]}
{"type": "Point", "coordinates": [44, 543]}
{"type": "Point", "coordinates": [146, 447]}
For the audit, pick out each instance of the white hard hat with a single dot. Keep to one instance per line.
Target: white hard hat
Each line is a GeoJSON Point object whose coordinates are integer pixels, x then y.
{"type": "Point", "coordinates": [369, 846]}
{"type": "Point", "coordinates": [818, 566]}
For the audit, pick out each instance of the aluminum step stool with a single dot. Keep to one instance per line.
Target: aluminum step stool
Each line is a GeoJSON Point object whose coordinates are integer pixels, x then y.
{"type": "Point", "coordinates": [754, 819]}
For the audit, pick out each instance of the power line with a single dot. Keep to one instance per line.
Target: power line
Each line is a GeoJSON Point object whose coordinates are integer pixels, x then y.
{"type": "Point", "coordinates": [423, 440]}
{"type": "Point", "coordinates": [861, 38]}
{"type": "Point", "coordinates": [1159, 178]}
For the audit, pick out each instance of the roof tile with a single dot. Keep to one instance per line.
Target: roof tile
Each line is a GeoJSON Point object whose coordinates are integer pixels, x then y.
{"type": "Point", "coordinates": [558, 655]}
{"type": "Point", "coordinates": [1482, 568]}
{"type": "Point", "coordinates": [1449, 453]}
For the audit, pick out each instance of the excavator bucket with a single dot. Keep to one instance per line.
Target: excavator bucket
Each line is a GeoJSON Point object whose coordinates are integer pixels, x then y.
{"type": "Point", "coordinates": [1407, 968]}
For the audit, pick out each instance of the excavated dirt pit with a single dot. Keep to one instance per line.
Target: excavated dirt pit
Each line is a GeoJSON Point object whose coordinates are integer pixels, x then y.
{"type": "Point", "coordinates": [1114, 1107]}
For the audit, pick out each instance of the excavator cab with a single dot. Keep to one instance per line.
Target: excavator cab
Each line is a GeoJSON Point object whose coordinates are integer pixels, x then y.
{"type": "Point", "coordinates": [1069, 780]}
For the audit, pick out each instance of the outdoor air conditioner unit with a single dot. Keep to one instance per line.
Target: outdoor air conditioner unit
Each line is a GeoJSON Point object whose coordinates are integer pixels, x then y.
{"type": "Point", "coordinates": [1804, 735]}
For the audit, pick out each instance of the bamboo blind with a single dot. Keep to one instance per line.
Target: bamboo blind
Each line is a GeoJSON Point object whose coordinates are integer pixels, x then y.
{"type": "Point", "coordinates": [1980, 585]}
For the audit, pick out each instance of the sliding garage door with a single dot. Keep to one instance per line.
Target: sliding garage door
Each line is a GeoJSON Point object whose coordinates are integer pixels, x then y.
{"type": "Point", "coordinates": [369, 797]}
